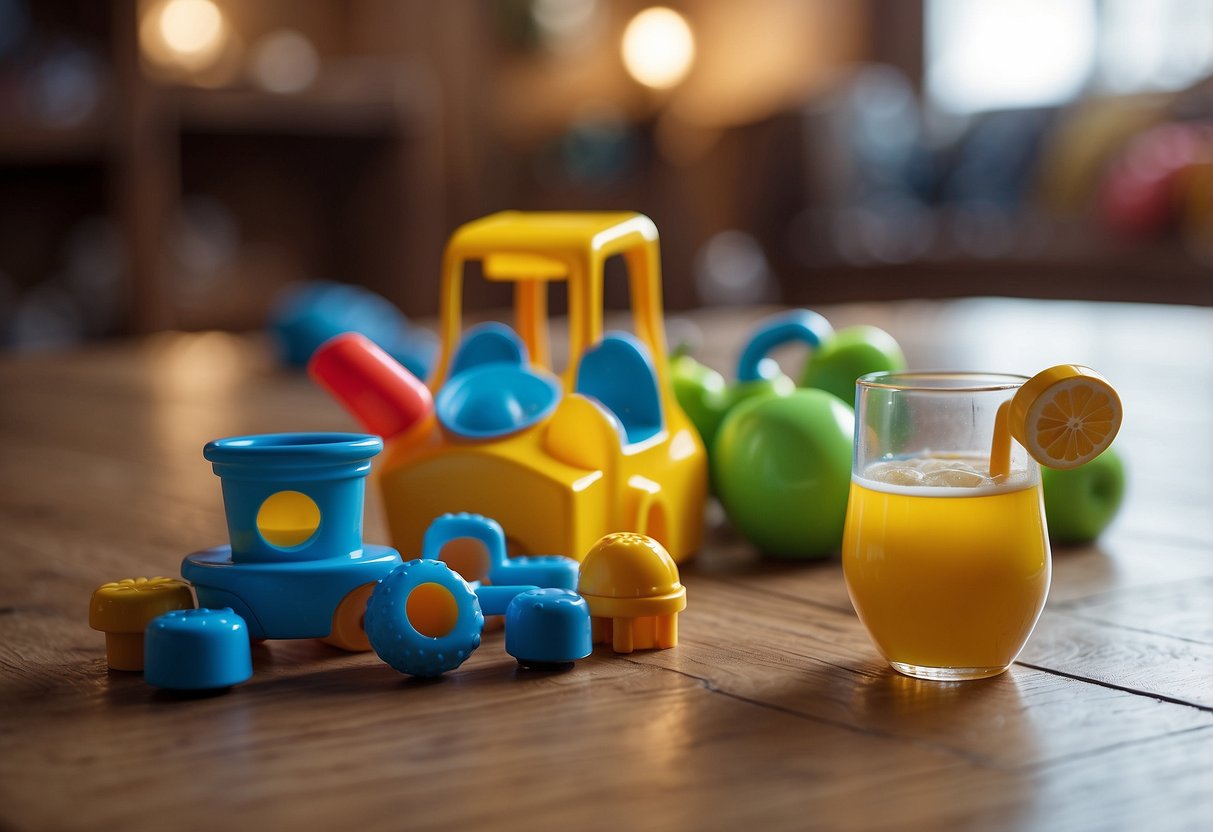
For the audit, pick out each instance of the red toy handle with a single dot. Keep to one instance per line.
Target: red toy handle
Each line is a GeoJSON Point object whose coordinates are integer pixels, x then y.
{"type": "Point", "coordinates": [385, 397]}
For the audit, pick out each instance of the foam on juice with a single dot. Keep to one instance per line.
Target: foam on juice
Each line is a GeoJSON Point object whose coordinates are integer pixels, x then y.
{"type": "Point", "coordinates": [942, 475]}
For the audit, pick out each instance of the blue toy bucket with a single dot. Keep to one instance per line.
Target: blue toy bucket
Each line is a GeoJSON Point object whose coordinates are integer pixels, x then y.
{"type": "Point", "coordinates": [293, 496]}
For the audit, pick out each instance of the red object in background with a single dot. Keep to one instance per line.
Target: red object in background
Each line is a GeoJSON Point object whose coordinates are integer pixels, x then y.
{"type": "Point", "coordinates": [375, 387]}
{"type": "Point", "coordinates": [1139, 193]}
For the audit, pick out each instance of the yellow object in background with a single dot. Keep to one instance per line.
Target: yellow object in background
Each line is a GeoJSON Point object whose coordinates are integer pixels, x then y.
{"type": "Point", "coordinates": [564, 479]}
{"type": "Point", "coordinates": [1088, 136]}
{"type": "Point", "coordinates": [1196, 195]}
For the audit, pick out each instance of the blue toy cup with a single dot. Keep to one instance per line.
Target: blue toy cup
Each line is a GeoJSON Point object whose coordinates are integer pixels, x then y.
{"type": "Point", "coordinates": [293, 496]}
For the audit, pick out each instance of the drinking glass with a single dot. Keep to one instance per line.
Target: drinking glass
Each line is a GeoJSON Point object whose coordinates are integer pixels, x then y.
{"type": "Point", "coordinates": [947, 567]}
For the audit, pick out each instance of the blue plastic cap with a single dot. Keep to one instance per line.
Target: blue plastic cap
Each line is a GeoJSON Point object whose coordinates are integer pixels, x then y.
{"type": "Point", "coordinates": [202, 649]}
{"type": "Point", "coordinates": [548, 626]}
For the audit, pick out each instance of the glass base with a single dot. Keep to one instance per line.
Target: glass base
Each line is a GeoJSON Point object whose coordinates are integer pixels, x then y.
{"type": "Point", "coordinates": [947, 674]}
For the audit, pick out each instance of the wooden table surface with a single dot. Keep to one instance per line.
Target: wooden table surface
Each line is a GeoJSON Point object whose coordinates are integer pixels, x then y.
{"type": "Point", "coordinates": [774, 709]}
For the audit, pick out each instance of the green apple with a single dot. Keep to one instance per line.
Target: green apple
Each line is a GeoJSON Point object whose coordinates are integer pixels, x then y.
{"type": "Point", "coordinates": [706, 399]}
{"type": "Point", "coordinates": [848, 354]}
{"type": "Point", "coordinates": [700, 391]}
{"type": "Point", "coordinates": [782, 469]}
{"type": "Point", "coordinates": [1081, 502]}
{"type": "Point", "coordinates": [744, 391]}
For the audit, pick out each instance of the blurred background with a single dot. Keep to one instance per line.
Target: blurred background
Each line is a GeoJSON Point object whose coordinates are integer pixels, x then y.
{"type": "Point", "coordinates": [177, 163]}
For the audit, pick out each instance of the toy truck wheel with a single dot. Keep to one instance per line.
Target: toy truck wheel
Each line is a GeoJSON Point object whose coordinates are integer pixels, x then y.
{"type": "Point", "coordinates": [423, 619]}
{"type": "Point", "coordinates": [349, 621]}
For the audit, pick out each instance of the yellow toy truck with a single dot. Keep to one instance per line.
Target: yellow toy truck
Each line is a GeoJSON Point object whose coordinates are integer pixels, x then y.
{"type": "Point", "coordinates": [558, 460]}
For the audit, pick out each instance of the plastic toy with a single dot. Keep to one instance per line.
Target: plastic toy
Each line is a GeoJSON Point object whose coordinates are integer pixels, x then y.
{"type": "Point", "coordinates": [782, 469]}
{"type": "Point", "coordinates": [390, 399]}
{"type": "Point", "coordinates": [308, 314]}
{"type": "Point", "coordinates": [548, 629]}
{"type": "Point", "coordinates": [200, 649]}
{"type": "Point", "coordinates": [706, 397]}
{"type": "Point", "coordinates": [559, 461]}
{"type": "Point", "coordinates": [848, 354]}
{"type": "Point", "coordinates": [495, 600]}
{"type": "Point", "coordinates": [296, 566]}
{"type": "Point", "coordinates": [780, 455]}
{"type": "Point", "coordinates": [122, 609]}
{"type": "Point", "coordinates": [423, 619]}
{"type": "Point", "coordinates": [631, 585]}
{"type": "Point", "coordinates": [475, 547]}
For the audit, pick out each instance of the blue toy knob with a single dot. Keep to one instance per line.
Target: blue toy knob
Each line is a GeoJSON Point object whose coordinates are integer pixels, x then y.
{"type": "Point", "coordinates": [200, 649]}
{"type": "Point", "coordinates": [548, 629]}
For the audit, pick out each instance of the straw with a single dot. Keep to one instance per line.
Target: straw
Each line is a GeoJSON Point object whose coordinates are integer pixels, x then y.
{"type": "Point", "coordinates": [1000, 446]}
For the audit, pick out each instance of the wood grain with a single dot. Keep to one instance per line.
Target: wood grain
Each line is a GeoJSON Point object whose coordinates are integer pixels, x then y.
{"type": "Point", "coordinates": [774, 710]}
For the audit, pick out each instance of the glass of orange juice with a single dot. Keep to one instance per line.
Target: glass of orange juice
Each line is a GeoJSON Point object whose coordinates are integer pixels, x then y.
{"type": "Point", "coordinates": [947, 566]}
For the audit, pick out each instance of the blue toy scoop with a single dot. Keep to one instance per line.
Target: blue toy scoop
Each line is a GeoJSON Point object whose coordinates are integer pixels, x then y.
{"type": "Point", "coordinates": [492, 391]}
{"type": "Point", "coordinates": [495, 400]}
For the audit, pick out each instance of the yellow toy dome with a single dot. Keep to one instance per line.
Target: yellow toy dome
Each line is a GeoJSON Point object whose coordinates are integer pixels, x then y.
{"type": "Point", "coordinates": [629, 565]}
{"type": "Point", "coordinates": [629, 577]}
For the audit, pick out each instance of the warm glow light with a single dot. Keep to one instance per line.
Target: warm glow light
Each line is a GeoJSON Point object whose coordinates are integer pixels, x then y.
{"type": "Point", "coordinates": [658, 47]}
{"type": "Point", "coordinates": [187, 34]}
{"type": "Point", "coordinates": [191, 26]}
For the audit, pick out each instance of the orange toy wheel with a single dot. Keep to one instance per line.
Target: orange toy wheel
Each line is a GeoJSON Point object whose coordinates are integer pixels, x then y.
{"type": "Point", "coordinates": [349, 629]}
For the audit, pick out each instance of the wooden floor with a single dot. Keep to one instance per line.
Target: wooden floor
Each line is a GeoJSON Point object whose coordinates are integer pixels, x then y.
{"type": "Point", "coordinates": [773, 711]}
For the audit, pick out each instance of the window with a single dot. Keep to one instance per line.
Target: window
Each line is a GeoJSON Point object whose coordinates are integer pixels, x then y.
{"type": "Point", "coordinates": [998, 54]}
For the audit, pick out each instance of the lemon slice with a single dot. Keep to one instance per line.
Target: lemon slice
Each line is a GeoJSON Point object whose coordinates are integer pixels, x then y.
{"type": "Point", "coordinates": [1065, 416]}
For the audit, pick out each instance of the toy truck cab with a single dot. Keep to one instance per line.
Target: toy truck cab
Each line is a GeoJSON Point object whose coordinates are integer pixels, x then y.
{"type": "Point", "coordinates": [558, 460]}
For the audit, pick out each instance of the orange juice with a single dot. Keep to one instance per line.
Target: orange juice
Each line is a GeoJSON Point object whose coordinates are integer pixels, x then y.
{"type": "Point", "coordinates": [948, 577]}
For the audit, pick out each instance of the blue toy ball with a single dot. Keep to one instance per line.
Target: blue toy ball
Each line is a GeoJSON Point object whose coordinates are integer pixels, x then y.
{"type": "Point", "coordinates": [423, 619]}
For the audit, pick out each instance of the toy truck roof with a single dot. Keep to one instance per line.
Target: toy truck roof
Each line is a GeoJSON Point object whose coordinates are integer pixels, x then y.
{"type": "Point", "coordinates": [565, 236]}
